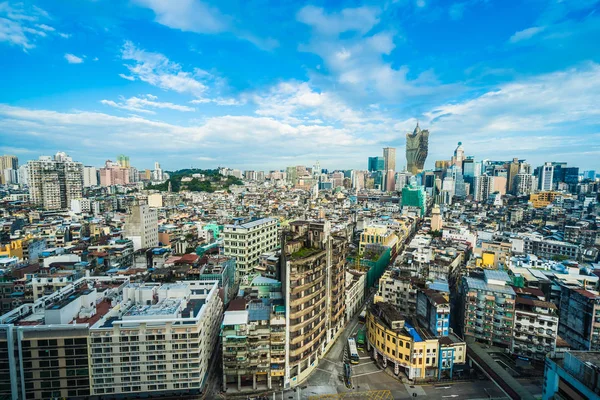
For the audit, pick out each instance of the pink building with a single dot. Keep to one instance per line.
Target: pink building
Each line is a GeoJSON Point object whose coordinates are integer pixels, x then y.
{"type": "Point", "coordinates": [113, 174]}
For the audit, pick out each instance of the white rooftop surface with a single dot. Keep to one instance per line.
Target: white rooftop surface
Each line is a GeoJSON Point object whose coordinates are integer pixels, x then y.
{"type": "Point", "coordinates": [166, 307]}
{"type": "Point", "coordinates": [235, 318]}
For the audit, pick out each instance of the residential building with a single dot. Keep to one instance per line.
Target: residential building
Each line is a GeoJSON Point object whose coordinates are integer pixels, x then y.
{"type": "Point", "coordinates": [355, 292]}
{"type": "Point", "coordinates": [572, 375]}
{"type": "Point", "coordinates": [543, 199]}
{"type": "Point", "coordinates": [414, 198]}
{"type": "Point", "coordinates": [536, 325]}
{"type": "Point", "coordinates": [253, 337]}
{"type": "Point", "coordinates": [488, 308]}
{"type": "Point", "coordinates": [9, 162]}
{"type": "Point", "coordinates": [399, 290]}
{"type": "Point", "coordinates": [396, 339]}
{"type": "Point", "coordinates": [160, 338]}
{"type": "Point", "coordinates": [114, 174]}
{"type": "Point", "coordinates": [377, 234]}
{"type": "Point", "coordinates": [433, 311]}
{"type": "Point", "coordinates": [246, 242]}
{"type": "Point", "coordinates": [523, 184]}
{"type": "Point", "coordinates": [55, 181]}
{"type": "Point", "coordinates": [313, 278]}
{"type": "Point", "coordinates": [417, 147]}
{"type": "Point", "coordinates": [483, 187]}
{"type": "Point", "coordinates": [90, 176]}
{"type": "Point", "coordinates": [579, 322]}
{"type": "Point", "coordinates": [141, 226]}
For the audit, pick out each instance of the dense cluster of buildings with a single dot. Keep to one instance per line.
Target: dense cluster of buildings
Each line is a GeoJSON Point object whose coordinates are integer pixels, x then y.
{"type": "Point", "coordinates": [113, 284]}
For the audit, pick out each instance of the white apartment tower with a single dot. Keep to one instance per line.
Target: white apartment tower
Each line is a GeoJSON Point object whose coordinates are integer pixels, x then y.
{"type": "Point", "coordinates": [545, 176]}
{"type": "Point", "coordinates": [90, 176]}
{"type": "Point", "coordinates": [141, 226]}
{"type": "Point", "coordinates": [246, 242]}
{"type": "Point", "coordinates": [159, 339]}
{"type": "Point", "coordinates": [54, 182]}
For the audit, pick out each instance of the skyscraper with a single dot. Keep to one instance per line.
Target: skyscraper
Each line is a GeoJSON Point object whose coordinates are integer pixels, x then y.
{"type": "Point", "coordinates": [545, 176]}
{"type": "Point", "coordinates": [417, 145]}
{"type": "Point", "coordinates": [484, 186]}
{"type": "Point", "coordinates": [513, 169]}
{"type": "Point", "coordinates": [459, 156]}
{"type": "Point", "coordinates": [376, 164]}
{"type": "Point", "coordinates": [389, 157]}
{"type": "Point", "coordinates": [123, 161]}
{"type": "Point", "coordinates": [8, 162]}
{"type": "Point", "coordinates": [54, 182]}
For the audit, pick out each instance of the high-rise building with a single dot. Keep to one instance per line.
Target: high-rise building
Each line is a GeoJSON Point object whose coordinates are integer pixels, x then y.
{"type": "Point", "coordinates": [246, 242]}
{"type": "Point", "coordinates": [522, 184]}
{"type": "Point", "coordinates": [459, 156]}
{"type": "Point", "coordinates": [313, 283]}
{"type": "Point", "coordinates": [545, 177]}
{"type": "Point", "coordinates": [253, 337]}
{"type": "Point", "coordinates": [107, 338]}
{"type": "Point", "coordinates": [23, 175]}
{"type": "Point", "coordinates": [417, 147]}
{"type": "Point", "coordinates": [376, 164]}
{"type": "Point", "coordinates": [291, 175]}
{"type": "Point", "coordinates": [160, 339]}
{"type": "Point", "coordinates": [579, 318]}
{"type": "Point", "coordinates": [55, 181]}
{"type": "Point", "coordinates": [134, 175]}
{"type": "Point", "coordinates": [157, 174]}
{"type": "Point", "coordinates": [123, 161]}
{"type": "Point", "coordinates": [141, 226]}
{"type": "Point", "coordinates": [389, 157]}
{"type": "Point", "coordinates": [513, 169]}
{"type": "Point", "coordinates": [483, 187]}
{"type": "Point", "coordinates": [489, 306]}
{"type": "Point", "coordinates": [113, 174]}
{"type": "Point", "coordinates": [9, 162]}
{"type": "Point", "coordinates": [90, 176]}
{"type": "Point", "coordinates": [414, 197]}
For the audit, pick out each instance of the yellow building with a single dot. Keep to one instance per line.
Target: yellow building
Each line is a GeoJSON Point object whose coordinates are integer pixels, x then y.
{"type": "Point", "coordinates": [377, 235]}
{"type": "Point", "coordinates": [412, 350]}
{"type": "Point", "coordinates": [13, 249]}
{"type": "Point", "coordinates": [543, 199]}
{"type": "Point", "coordinates": [492, 254]}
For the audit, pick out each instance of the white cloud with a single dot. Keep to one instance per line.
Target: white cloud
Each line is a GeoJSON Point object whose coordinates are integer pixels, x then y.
{"type": "Point", "coordinates": [73, 59]}
{"type": "Point", "coordinates": [20, 24]}
{"type": "Point", "coordinates": [64, 35]}
{"type": "Point", "coordinates": [199, 17]}
{"type": "Point", "coordinates": [142, 103]}
{"type": "Point", "coordinates": [361, 19]}
{"type": "Point", "coordinates": [526, 34]}
{"type": "Point", "coordinates": [357, 60]}
{"type": "Point", "coordinates": [526, 114]}
{"type": "Point", "coordinates": [258, 137]}
{"type": "Point", "coordinates": [159, 71]}
{"type": "Point", "coordinates": [129, 78]}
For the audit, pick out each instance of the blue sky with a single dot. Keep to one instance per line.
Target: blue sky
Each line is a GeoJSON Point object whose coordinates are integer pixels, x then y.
{"type": "Point", "coordinates": [265, 84]}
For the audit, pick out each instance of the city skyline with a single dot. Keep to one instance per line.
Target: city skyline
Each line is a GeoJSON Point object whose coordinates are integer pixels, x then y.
{"type": "Point", "coordinates": [318, 82]}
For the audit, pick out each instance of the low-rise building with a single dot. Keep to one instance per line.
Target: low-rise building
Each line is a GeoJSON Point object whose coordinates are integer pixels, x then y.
{"type": "Point", "coordinates": [394, 338]}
